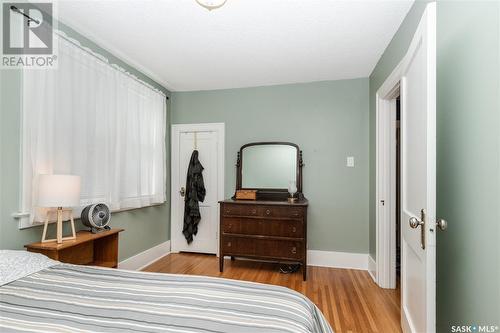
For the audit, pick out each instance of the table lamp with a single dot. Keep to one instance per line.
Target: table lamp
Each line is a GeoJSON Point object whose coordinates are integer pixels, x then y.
{"type": "Point", "coordinates": [58, 191]}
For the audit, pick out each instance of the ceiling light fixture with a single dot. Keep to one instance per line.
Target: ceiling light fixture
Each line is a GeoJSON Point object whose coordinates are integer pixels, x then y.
{"type": "Point", "coordinates": [211, 4]}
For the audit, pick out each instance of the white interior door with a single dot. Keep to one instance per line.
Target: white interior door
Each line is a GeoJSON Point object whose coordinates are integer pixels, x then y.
{"type": "Point", "coordinates": [418, 220]}
{"type": "Point", "coordinates": [207, 140]}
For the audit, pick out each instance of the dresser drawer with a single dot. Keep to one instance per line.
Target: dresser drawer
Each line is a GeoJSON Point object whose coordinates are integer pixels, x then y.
{"type": "Point", "coordinates": [263, 248]}
{"type": "Point", "coordinates": [239, 210]}
{"type": "Point", "coordinates": [281, 212]}
{"type": "Point", "coordinates": [263, 211]}
{"type": "Point", "coordinates": [263, 227]}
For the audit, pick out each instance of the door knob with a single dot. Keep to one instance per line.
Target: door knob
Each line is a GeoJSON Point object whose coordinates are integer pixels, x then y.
{"type": "Point", "coordinates": [182, 191]}
{"type": "Point", "coordinates": [442, 224]}
{"type": "Point", "coordinates": [415, 223]}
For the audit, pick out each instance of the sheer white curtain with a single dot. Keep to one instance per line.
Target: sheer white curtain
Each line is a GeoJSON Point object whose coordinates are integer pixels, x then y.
{"type": "Point", "coordinates": [94, 120]}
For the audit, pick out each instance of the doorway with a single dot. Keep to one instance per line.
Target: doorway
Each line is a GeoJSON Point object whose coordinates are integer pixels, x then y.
{"type": "Point", "coordinates": [388, 188]}
{"type": "Point", "coordinates": [208, 140]}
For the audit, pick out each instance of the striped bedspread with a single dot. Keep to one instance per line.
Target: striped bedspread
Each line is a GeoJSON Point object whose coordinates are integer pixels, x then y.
{"type": "Point", "coordinates": [70, 298]}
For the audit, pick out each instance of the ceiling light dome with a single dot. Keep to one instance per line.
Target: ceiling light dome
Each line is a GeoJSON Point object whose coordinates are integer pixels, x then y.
{"type": "Point", "coordinates": [211, 4]}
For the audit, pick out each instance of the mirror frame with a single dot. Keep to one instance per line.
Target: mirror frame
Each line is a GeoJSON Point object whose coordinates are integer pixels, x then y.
{"type": "Point", "coordinates": [270, 193]}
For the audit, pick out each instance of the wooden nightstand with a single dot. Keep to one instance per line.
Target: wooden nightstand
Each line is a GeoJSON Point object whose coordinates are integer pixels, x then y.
{"type": "Point", "coordinates": [99, 249]}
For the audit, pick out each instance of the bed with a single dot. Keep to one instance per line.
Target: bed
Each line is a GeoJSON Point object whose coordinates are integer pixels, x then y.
{"type": "Point", "coordinates": [38, 294]}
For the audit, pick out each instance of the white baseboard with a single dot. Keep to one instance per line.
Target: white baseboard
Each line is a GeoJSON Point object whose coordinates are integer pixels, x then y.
{"type": "Point", "coordinates": [372, 268]}
{"type": "Point", "coordinates": [314, 258]}
{"type": "Point", "coordinates": [145, 258]}
{"type": "Point", "coordinates": [337, 259]}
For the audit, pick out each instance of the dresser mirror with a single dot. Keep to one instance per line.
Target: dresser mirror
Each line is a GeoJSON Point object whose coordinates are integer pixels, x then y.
{"type": "Point", "coordinates": [270, 168]}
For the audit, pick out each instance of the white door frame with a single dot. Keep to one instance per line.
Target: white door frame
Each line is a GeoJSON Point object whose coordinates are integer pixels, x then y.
{"type": "Point", "coordinates": [177, 129]}
{"type": "Point", "coordinates": [385, 183]}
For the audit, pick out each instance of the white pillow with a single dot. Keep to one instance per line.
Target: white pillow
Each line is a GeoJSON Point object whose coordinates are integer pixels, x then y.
{"type": "Point", "coordinates": [17, 264]}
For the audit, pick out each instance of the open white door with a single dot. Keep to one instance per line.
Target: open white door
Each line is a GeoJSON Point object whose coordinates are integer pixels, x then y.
{"type": "Point", "coordinates": [418, 192]}
{"type": "Point", "coordinates": [208, 139]}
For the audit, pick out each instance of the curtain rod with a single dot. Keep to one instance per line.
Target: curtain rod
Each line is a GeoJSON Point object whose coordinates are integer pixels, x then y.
{"type": "Point", "coordinates": [102, 58]}
{"type": "Point", "coordinates": [88, 50]}
{"type": "Point", "coordinates": [30, 19]}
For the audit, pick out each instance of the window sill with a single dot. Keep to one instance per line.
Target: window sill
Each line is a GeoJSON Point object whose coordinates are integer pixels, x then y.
{"type": "Point", "coordinates": [24, 223]}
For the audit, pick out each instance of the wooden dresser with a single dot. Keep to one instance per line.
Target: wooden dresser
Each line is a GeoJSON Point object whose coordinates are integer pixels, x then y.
{"type": "Point", "coordinates": [267, 230]}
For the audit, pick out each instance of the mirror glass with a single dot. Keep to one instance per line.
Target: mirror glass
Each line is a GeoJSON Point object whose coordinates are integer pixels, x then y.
{"type": "Point", "coordinates": [270, 166]}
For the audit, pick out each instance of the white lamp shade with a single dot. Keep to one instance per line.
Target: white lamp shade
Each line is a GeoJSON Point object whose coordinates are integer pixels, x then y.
{"type": "Point", "coordinates": [58, 191]}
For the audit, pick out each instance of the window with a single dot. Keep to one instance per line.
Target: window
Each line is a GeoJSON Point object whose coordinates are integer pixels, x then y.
{"type": "Point", "coordinates": [91, 119]}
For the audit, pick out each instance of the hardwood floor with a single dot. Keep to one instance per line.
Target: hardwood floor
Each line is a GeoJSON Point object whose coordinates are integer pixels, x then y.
{"type": "Point", "coordinates": [348, 298]}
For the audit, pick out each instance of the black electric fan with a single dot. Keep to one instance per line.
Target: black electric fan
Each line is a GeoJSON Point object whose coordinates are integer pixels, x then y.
{"type": "Point", "coordinates": [96, 217]}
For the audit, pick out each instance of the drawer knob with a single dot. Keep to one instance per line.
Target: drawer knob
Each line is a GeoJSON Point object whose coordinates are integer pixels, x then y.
{"type": "Point", "coordinates": [295, 213]}
{"type": "Point", "coordinates": [254, 211]}
{"type": "Point", "coordinates": [228, 211]}
{"type": "Point", "coordinates": [229, 226]}
{"type": "Point", "coordinates": [268, 212]}
{"type": "Point", "coordinates": [294, 229]}
{"type": "Point", "coordinates": [228, 244]}
{"type": "Point", "coordinates": [294, 250]}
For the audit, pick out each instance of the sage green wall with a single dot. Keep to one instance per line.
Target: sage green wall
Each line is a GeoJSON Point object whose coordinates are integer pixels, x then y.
{"type": "Point", "coordinates": [328, 120]}
{"type": "Point", "coordinates": [468, 157]}
{"type": "Point", "coordinates": [144, 228]}
{"type": "Point", "coordinates": [386, 64]}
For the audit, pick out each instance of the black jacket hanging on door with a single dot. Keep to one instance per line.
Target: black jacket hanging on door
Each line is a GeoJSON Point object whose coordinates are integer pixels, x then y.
{"type": "Point", "coordinates": [195, 192]}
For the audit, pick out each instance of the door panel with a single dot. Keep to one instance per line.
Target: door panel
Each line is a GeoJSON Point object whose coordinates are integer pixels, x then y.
{"type": "Point", "coordinates": [418, 191]}
{"type": "Point", "coordinates": [415, 134]}
{"type": "Point", "coordinates": [206, 143]}
{"type": "Point", "coordinates": [414, 304]}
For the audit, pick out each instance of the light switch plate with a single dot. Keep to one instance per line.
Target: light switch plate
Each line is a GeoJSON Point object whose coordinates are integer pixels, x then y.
{"type": "Point", "coordinates": [350, 161]}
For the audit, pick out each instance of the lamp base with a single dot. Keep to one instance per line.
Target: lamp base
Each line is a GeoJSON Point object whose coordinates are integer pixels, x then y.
{"type": "Point", "coordinates": [59, 238]}
{"type": "Point", "coordinates": [292, 200]}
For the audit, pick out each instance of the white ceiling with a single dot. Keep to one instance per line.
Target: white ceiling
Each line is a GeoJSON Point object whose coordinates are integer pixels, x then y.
{"type": "Point", "coordinates": [245, 43]}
